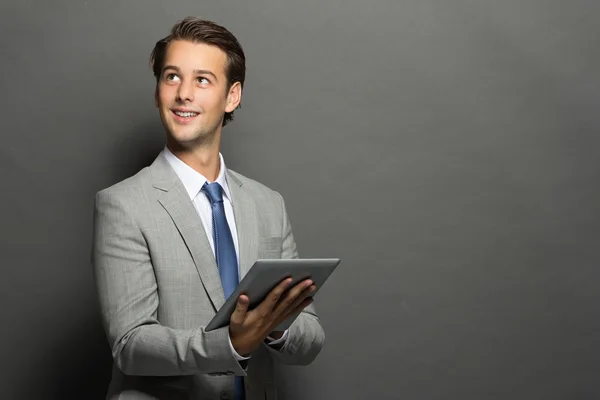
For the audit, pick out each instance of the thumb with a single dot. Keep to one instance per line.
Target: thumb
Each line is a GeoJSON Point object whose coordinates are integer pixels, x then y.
{"type": "Point", "coordinates": [241, 308]}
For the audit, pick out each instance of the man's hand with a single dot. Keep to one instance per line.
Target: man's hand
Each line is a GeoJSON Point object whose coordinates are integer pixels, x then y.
{"type": "Point", "coordinates": [247, 329]}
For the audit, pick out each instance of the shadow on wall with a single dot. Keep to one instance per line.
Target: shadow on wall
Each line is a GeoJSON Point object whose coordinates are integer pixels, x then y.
{"type": "Point", "coordinates": [136, 151]}
{"type": "Point", "coordinates": [79, 365]}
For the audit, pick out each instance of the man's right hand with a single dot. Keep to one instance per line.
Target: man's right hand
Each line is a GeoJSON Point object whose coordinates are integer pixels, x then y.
{"type": "Point", "coordinates": [247, 329]}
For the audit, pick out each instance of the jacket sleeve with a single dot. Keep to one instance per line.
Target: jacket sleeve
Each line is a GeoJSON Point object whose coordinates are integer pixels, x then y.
{"type": "Point", "coordinates": [129, 298]}
{"type": "Point", "coordinates": [306, 335]}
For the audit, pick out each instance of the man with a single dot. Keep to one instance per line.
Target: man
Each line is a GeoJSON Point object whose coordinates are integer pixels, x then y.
{"type": "Point", "coordinates": [171, 243]}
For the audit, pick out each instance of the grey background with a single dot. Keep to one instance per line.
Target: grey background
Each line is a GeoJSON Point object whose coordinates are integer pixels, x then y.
{"type": "Point", "coordinates": [446, 150]}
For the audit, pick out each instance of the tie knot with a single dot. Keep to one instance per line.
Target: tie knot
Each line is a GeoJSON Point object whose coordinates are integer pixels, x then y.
{"type": "Point", "coordinates": [214, 192]}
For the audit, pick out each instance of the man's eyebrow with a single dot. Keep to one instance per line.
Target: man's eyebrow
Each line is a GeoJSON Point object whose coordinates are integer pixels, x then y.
{"type": "Point", "coordinates": [166, 67]}
{"type": "Point", "coordinates": [206, 72]}
{"type": "Point", "coordinates": [196, 71]}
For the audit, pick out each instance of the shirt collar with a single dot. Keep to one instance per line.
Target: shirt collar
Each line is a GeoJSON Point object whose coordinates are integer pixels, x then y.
{"type": "Point", "coordinates": [193, 180]}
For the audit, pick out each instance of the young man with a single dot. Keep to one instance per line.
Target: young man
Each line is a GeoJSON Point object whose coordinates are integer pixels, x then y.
{"type": "Point", "coordinates": [172, 242]}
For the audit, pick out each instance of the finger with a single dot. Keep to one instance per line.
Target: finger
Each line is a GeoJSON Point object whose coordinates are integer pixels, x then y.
{"type": "Point", "coordinates": [267, 305]}
{"type": "Point", "coordinates": [308, 292]}
{"type": "Point", "coordinates": [293, 311]}
{"type": "Point", "coordinates": [294, 294]}
{"type": "Point", "coordinates": [299, 289]}
{"type": "Point", "coordinates": [241, 308]}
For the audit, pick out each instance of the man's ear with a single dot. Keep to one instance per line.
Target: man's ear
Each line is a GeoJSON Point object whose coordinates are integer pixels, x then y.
{"type": "Point", "coordinates": [234, 97]}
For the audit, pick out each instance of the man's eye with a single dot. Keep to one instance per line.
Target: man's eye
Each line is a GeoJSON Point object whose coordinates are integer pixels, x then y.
{"type": "Point", "coordinates": [203, 80]}
{"type": "Point", "coordinates": [172, 77]}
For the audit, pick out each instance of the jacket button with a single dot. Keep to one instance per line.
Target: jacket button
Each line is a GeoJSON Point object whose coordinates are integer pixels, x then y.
{"type": "Point", "coordinates": [224, 396]}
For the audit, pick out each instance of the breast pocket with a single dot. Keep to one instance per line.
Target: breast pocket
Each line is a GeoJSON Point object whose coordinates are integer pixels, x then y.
{"type": "Point", "coordinates": [269, 247]}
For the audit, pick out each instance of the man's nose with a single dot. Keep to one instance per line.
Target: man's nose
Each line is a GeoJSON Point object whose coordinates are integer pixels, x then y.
{"type": "Point", "coordinates": [185, 92]}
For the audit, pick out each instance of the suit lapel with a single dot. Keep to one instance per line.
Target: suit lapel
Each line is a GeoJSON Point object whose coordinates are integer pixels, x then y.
{"type": "Point", "coordinates": [246, 222]}
{"type": "Point", "coordinates": [175, 200]}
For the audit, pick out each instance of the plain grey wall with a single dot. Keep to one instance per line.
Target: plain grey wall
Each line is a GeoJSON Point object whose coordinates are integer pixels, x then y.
{"type": "Point", "coordinates": [446, 150]}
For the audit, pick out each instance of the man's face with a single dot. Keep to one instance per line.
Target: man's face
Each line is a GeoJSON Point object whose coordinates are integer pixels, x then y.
{"type": "Point", "coordinates": [192, 93]}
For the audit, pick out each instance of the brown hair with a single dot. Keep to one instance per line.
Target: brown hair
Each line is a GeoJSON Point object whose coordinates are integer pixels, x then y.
{"type": "Point", "coordinates": [199, 30]}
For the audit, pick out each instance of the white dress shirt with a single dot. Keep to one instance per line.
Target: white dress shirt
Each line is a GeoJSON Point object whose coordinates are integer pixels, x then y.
{"type": "Point", "coordinates": [193, 182]}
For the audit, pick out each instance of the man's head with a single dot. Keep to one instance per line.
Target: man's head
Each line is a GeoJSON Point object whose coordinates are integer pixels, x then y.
{"type": "Point", "coordinates": [200, 70]}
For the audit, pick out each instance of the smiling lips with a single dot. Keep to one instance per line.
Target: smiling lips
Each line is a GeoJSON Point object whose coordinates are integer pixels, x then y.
{"type": "Point", "coordinates": [184, 116]}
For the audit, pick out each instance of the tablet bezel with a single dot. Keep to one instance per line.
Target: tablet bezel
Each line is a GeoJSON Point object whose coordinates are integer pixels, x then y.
{"type": "Point", "coordinates": [265, 274]}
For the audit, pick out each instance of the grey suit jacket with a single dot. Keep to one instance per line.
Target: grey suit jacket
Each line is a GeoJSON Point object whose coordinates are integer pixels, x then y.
{"type": "Point", "coordinates": [158, 286]}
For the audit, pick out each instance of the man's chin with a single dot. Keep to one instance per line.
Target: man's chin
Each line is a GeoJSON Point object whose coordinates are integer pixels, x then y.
{"type": "Point", "coordinates": [189, 140]}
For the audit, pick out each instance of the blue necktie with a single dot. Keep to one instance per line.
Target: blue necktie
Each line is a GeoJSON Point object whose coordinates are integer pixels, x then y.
{"type": "Point", "coordinates": [224, 254]}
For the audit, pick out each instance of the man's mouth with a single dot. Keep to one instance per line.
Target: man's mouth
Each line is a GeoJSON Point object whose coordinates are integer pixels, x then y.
{"type": "Point", "coordinates": [185, 114]}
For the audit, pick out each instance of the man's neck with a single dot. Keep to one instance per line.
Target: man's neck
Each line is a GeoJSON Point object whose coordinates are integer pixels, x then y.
{"type": "Point", "coordinates": [204, 159]}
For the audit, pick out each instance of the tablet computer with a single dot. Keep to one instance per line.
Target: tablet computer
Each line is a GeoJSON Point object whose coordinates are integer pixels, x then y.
{"type": "Point", "coordinates": [264, 275]}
